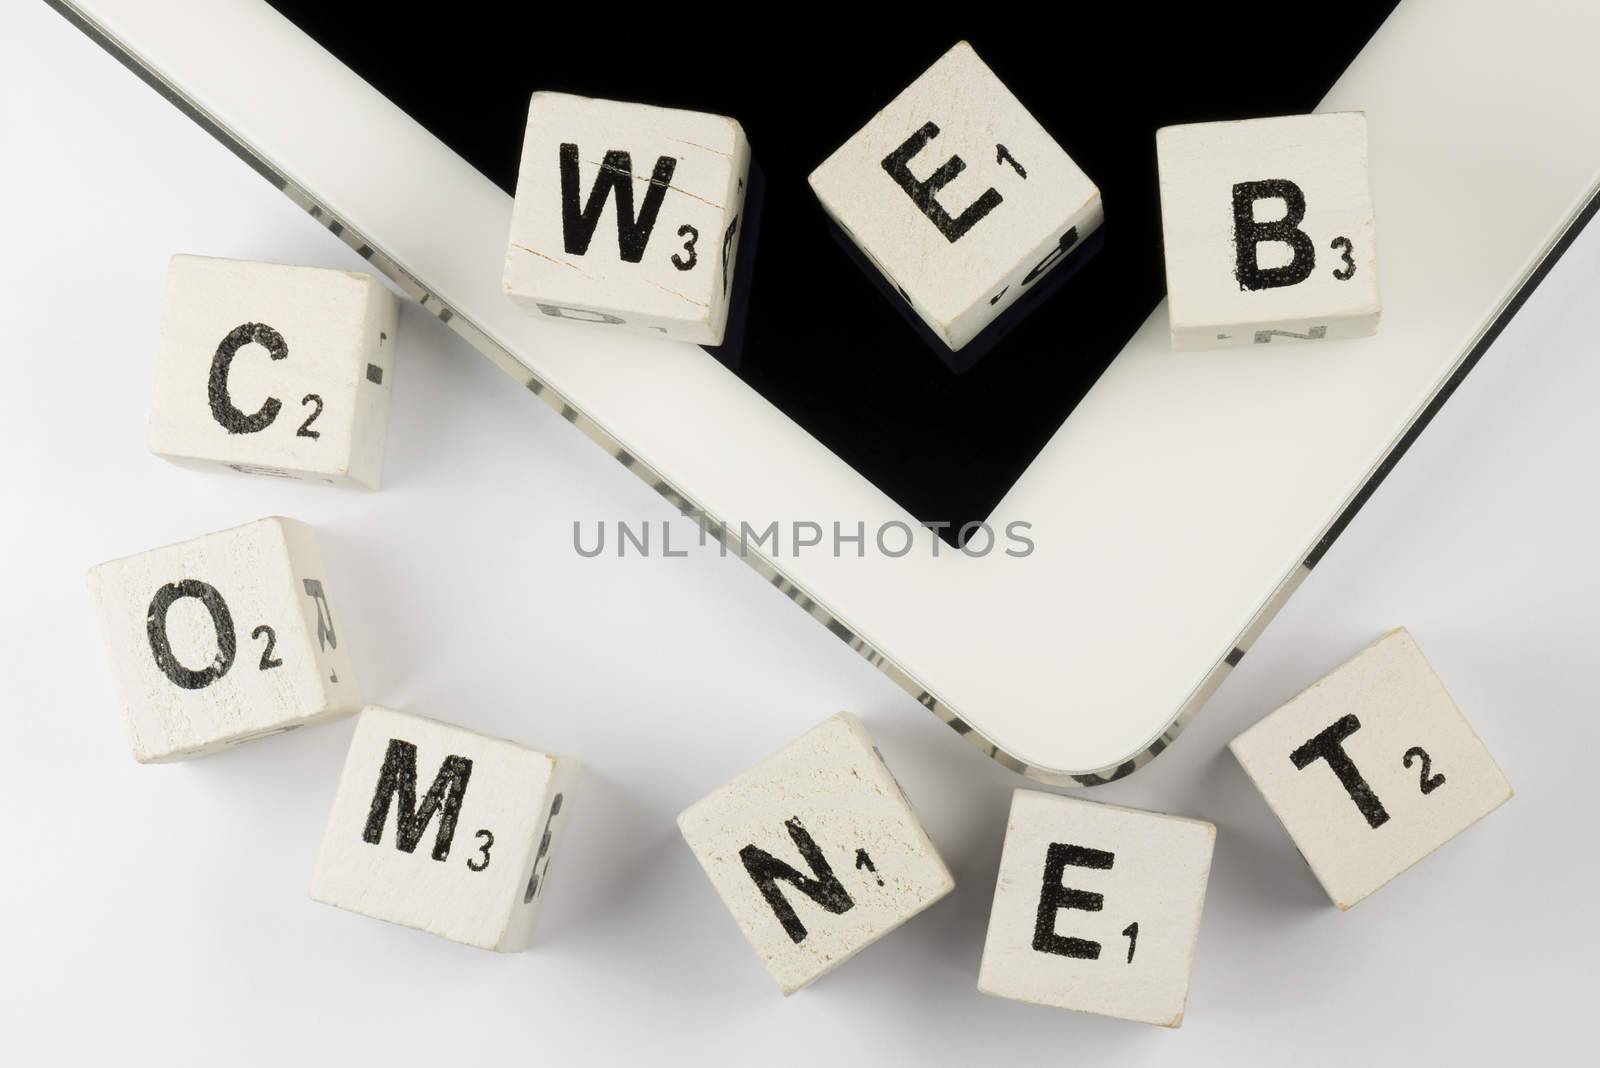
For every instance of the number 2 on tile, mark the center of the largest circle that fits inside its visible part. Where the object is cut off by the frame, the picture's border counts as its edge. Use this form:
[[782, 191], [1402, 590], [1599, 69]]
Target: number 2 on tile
[[1430, 782]]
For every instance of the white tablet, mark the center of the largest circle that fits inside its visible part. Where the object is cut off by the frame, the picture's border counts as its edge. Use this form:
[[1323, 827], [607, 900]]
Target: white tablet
[[1129, 517]]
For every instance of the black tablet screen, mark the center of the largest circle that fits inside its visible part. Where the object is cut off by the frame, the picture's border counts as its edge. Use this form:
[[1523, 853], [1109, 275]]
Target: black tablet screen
[[820, 339]]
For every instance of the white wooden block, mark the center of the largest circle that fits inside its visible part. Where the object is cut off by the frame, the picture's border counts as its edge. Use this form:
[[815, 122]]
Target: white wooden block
[[1269, 230], [443, 829], [1371, 769], [958, 195], [222, 639], [816, 852], [1097, 908], [275, 370], [628, 216]]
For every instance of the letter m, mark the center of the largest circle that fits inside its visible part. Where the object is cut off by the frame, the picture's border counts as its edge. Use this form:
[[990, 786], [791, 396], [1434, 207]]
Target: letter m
[[767, 870], [399, 776]]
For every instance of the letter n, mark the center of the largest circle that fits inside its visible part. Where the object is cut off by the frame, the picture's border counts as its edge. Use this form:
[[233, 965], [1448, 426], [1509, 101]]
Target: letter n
[[767, 871]]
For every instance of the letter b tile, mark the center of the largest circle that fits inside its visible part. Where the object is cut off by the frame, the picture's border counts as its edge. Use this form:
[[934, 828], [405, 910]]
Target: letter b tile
[[1268, 229], [816, 852], [1371, 769], [1097, 908], [443, 829]]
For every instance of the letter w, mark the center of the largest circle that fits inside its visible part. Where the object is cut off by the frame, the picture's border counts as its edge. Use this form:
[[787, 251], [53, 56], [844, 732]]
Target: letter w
[[824, 889], [616, 172], [399, 776]]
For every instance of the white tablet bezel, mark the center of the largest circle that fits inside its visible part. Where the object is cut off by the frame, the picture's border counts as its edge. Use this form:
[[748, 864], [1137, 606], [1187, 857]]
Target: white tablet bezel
[[1172, 513]]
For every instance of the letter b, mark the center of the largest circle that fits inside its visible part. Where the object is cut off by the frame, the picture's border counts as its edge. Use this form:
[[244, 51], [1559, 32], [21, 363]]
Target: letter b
[[1248, 235]]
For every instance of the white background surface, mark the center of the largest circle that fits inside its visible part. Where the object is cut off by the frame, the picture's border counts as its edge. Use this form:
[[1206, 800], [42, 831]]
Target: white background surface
[[160, 913]]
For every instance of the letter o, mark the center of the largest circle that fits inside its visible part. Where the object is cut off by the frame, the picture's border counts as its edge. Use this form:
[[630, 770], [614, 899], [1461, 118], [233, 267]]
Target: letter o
[[221, 620]]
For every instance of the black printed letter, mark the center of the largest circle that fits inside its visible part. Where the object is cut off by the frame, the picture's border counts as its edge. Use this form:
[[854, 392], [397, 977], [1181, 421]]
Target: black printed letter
[[1329, 746], [825, 889], [222, 408], [616, 172], [1249, 234], [1054, 897], [325, 635], [1063, 246], [924, 194], [399, 776], [155, 624]]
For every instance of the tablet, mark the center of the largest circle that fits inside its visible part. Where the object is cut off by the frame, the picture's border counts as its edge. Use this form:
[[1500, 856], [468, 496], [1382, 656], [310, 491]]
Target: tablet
[[820, 338], [1129, 517]]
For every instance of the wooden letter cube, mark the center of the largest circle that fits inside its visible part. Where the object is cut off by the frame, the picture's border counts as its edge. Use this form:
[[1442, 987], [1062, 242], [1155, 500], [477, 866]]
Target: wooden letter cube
[[628, 216], [1269, 230], [816, 852], [1371, 769], [443, 829], [1097, 908], [958, 195], [275, 370], [225, 638]]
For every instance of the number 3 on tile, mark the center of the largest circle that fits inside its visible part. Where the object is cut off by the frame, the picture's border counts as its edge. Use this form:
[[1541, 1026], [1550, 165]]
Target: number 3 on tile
[[481, 861]]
